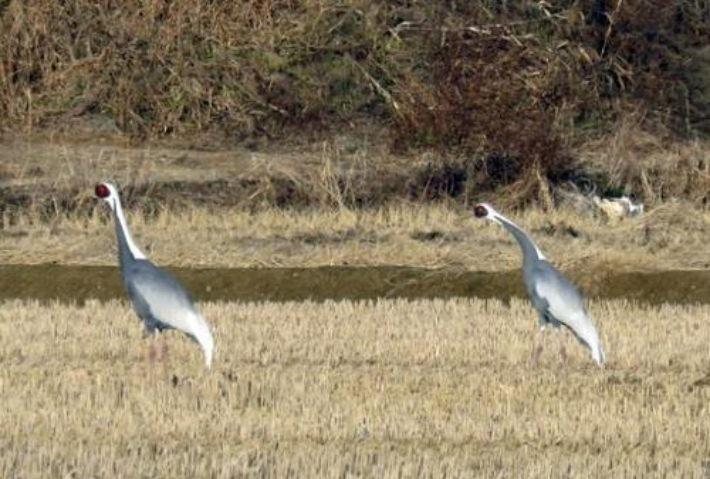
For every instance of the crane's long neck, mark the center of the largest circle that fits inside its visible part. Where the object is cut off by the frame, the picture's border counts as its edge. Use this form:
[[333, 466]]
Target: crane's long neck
[[531, 252], [127, 249]]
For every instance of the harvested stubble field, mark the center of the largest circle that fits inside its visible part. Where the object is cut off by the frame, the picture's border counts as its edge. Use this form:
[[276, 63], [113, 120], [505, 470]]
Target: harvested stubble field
[[353, 389], [672, 236], [312, 133]]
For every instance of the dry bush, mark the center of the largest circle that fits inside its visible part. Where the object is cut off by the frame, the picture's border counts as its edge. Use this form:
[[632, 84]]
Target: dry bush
[[652, 166], [483, 98], [644, 49], [162, 68], [503, 90], [511, 88]]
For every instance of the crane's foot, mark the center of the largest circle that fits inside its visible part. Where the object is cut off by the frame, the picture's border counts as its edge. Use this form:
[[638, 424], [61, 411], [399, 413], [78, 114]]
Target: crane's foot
[[561, 342], [535, 355], [152, 353], [164, 351], [537, 348]]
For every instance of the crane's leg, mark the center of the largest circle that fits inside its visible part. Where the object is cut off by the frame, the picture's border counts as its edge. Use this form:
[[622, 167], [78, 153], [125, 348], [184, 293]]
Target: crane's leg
[[160, 346], [152, 351], [538, 345], [561, 341], [150, 334], [163, 349]]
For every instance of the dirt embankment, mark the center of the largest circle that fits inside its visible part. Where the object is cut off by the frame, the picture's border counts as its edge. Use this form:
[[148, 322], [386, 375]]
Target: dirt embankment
[[53, 177], [50, 176]]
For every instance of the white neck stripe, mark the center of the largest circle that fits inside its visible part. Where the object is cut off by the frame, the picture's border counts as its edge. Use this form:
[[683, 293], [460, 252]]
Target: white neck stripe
[[118, 211], [499, 217]]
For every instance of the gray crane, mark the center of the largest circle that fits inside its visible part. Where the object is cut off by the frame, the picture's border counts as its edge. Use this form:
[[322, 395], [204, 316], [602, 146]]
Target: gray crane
[[557, 301], [158, 297]]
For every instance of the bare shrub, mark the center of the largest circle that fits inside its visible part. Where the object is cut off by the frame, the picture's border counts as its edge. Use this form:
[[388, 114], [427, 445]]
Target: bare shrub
[[519, 84]]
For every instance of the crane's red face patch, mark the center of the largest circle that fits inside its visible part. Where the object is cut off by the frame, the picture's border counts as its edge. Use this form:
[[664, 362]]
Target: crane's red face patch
[[102, 190], [480, 211]]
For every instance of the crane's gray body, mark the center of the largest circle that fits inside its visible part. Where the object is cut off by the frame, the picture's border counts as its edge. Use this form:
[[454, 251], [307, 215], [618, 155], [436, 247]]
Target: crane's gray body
[[557, 301], [536, 270], [541, 270], [145, 283], [154, 281]]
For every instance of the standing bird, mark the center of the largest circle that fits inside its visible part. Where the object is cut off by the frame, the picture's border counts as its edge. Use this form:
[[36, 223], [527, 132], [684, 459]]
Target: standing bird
[[557, 301], [158, 298]]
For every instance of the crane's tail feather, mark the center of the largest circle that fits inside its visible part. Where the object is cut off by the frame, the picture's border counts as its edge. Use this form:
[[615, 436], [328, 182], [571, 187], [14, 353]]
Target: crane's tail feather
[[598, 354], [587, 334], [202, 334], [591, 340]]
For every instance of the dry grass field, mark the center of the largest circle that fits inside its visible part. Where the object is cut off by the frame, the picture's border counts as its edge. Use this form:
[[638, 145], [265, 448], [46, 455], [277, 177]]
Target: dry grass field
[[181, 217], [326, 133], [671, 236], [383, 389]]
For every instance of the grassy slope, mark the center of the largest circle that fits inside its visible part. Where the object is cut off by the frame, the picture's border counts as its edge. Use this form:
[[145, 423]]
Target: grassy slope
[[509, 89], [387, 388]]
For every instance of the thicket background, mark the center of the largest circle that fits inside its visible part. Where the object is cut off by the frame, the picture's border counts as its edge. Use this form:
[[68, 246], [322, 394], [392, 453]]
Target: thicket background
[[503, 92]]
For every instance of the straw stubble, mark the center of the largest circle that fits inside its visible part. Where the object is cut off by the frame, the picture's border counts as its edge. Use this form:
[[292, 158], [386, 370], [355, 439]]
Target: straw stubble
[[387, 388]]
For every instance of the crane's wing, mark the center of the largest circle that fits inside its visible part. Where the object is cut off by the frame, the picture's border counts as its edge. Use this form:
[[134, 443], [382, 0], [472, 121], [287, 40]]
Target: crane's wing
[[157, 294], [563, 303], [162, 298]]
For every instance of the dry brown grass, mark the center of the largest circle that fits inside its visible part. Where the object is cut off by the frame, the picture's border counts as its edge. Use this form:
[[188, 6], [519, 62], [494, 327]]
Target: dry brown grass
[[52, 177], [368, 389], [672, 236], [180, 216], [504, 90], [651, 165]]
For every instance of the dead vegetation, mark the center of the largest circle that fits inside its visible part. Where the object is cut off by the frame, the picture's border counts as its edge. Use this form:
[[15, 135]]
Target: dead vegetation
[[386, 389], [45, 180], [503, 93], [329, 207], [654, 166], [672, 236]]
